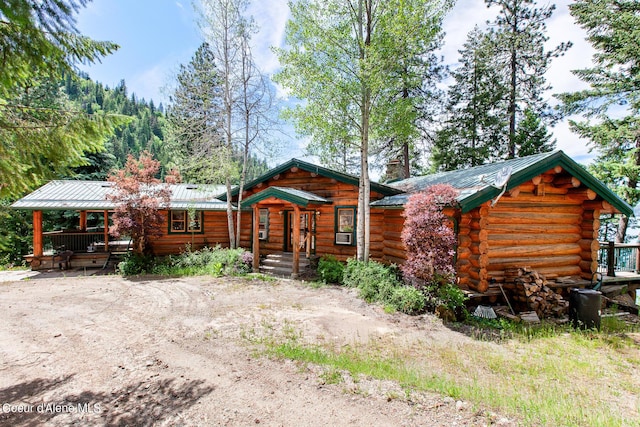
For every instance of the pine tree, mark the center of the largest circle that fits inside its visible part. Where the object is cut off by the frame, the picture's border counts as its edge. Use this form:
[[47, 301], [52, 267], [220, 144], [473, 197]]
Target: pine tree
[[195, 120], [611, 104], [474, 132], [532, 136], [519, 33], [42, 134]]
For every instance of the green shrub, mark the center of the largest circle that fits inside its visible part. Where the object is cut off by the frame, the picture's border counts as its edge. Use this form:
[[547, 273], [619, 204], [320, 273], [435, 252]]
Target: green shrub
[[408, 299], [375, 281], [330, 269], [446, 295], [215, 261], [134, 264]]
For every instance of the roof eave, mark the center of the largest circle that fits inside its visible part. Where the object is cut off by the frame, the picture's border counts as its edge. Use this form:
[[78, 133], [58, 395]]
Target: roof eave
[[282, 195], [557, 158], [309, 167]]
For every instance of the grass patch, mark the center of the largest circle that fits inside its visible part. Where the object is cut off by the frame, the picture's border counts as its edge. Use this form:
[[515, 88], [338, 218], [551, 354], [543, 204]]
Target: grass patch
[[546, 375]]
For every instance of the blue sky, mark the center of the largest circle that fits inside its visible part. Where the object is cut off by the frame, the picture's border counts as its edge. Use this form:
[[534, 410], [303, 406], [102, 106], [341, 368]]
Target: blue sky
[[155, 36]]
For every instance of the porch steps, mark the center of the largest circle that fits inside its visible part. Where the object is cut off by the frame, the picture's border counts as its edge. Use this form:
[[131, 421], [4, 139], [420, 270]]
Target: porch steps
[[281, 264]]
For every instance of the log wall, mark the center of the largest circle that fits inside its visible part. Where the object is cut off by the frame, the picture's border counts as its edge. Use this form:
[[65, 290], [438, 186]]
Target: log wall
[[548, 224], [215, 233]]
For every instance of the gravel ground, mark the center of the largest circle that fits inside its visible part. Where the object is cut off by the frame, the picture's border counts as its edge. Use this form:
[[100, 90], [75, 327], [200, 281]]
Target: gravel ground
[[155, 351]]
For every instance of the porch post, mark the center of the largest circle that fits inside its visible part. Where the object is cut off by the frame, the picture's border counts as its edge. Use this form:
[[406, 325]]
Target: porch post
[[311, 217], [37, 233], [296, 241], [106, 231], [83, 220], [611, 259], [256, 239]]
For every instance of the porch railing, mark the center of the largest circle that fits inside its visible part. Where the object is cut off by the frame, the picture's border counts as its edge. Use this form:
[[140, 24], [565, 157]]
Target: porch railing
[[74, 241], [618, 257]]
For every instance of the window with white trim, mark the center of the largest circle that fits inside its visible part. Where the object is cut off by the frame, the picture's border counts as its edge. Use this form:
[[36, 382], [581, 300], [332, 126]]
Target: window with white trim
[[345, 226], [263, 225]]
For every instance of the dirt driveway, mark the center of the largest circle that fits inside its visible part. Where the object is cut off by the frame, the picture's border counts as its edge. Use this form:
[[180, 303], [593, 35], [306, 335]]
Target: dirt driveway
[[110, 351]]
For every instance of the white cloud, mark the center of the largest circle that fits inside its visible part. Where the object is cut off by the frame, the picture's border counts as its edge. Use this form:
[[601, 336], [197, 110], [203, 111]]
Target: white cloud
[[560, 28], [270, 17]]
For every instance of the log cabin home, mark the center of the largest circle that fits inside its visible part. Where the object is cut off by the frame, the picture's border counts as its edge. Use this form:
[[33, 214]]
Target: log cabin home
[[542, 212]]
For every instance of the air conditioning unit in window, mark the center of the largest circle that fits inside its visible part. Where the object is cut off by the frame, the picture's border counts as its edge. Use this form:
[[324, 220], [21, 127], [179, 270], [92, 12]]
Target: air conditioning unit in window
[[262, 234], [343, 238]]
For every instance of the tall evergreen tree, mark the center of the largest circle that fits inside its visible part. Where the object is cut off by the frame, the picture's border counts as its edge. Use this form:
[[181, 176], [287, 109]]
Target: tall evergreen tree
[[41, 133], [474, 131], [195, 120], [499, 84], [611, 104], [519, 33], [532, 136]]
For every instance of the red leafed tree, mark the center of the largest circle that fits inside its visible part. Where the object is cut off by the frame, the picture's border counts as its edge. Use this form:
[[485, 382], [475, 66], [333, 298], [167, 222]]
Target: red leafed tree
[[429, 239], [139, 197]]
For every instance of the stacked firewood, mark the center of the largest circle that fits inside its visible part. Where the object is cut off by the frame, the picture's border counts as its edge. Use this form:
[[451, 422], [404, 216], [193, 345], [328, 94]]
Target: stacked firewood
[[532, 292]]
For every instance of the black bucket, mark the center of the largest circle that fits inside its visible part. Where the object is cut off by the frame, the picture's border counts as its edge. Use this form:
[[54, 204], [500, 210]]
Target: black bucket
[[584, 308]]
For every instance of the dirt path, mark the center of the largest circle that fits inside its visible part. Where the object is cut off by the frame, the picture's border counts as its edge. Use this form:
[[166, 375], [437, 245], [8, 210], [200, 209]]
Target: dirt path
[[109, 351]]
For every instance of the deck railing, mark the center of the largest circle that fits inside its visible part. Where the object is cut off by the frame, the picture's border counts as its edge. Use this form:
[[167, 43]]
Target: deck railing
[[74, 241], [618, 257]]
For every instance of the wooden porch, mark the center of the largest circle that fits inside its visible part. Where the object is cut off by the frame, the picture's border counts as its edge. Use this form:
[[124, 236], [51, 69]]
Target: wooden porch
[[78, 248]]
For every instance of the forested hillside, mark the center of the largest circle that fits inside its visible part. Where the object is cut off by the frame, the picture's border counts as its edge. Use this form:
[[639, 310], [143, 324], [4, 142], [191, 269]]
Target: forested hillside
[[143, 129]]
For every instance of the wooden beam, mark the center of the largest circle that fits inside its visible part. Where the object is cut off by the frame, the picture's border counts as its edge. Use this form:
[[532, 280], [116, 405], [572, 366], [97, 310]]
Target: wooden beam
[[106, 230], [83, 220], [296, 242], [37, 233], [256, 239], [566, 182]]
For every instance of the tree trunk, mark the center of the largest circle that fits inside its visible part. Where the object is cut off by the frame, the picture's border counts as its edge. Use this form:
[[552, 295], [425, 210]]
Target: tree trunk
[[364, 196], [512, 108], [621, 233], [511, 151], [232, 240], [243, 177]]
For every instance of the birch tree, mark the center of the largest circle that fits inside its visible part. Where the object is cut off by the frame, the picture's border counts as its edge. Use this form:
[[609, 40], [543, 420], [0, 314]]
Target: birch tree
[[246, 98], [341, 59], [255, 107]]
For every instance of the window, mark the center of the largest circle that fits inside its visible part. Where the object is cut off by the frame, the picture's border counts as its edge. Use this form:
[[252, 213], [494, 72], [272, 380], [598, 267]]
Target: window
[[345, 228], [181, 222], [263, 226]]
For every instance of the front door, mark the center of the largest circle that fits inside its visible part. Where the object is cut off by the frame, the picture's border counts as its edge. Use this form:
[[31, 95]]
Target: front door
[[307, 233]]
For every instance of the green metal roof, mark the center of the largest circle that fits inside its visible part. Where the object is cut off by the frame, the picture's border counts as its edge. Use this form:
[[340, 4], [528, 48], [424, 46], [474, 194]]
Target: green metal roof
[[475, 184], [292, 195], [92, 195], [309, 167]]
